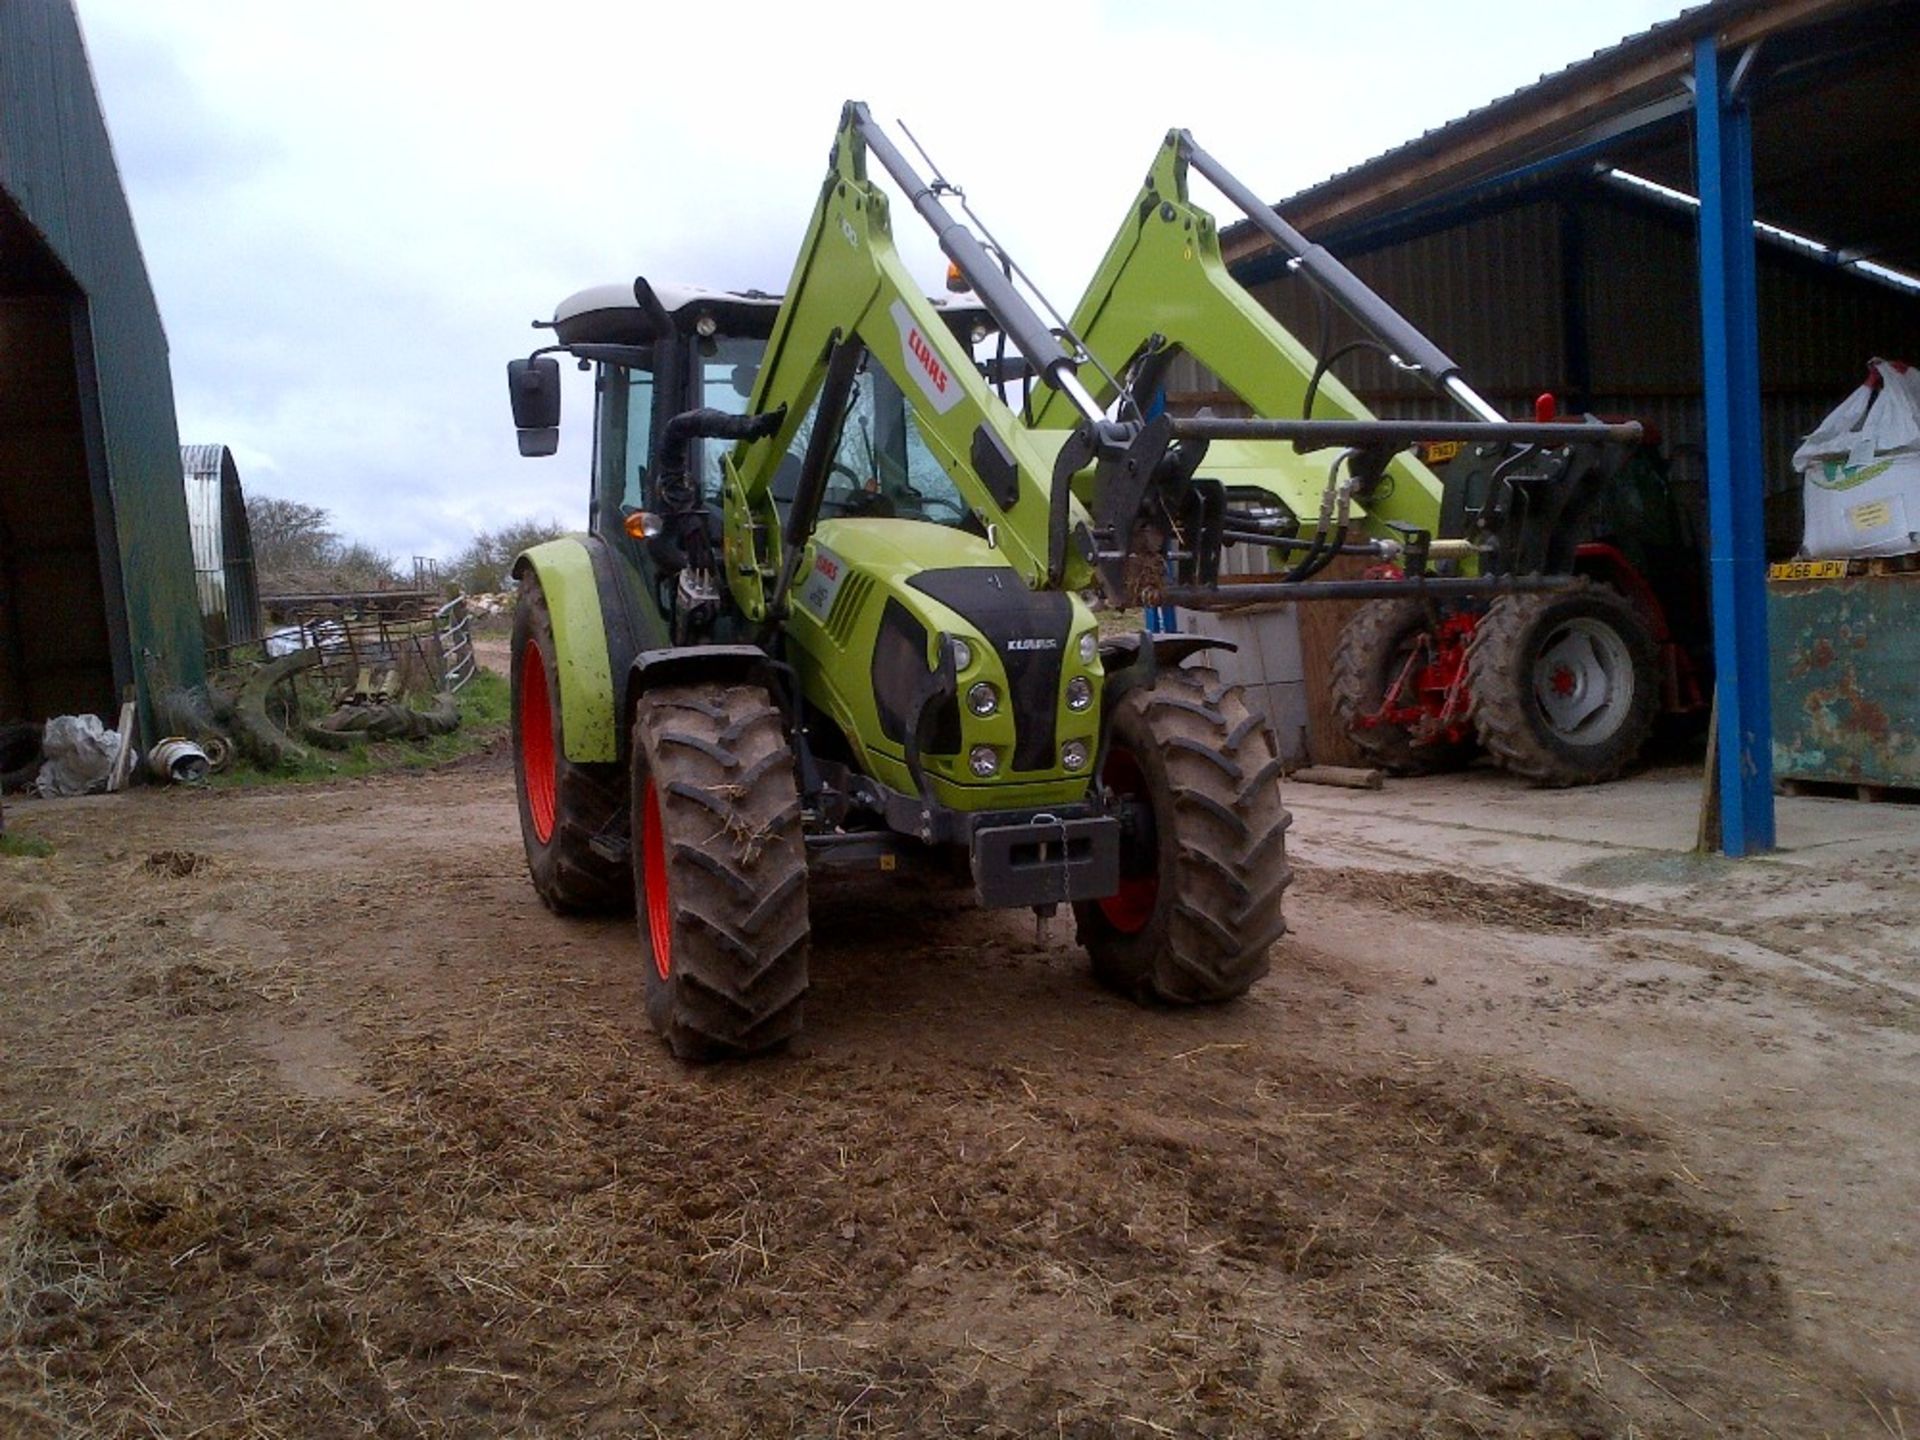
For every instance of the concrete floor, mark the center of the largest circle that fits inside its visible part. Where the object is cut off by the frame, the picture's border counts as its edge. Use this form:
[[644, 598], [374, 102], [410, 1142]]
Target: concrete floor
[[1763, 1015], [1634, 835]]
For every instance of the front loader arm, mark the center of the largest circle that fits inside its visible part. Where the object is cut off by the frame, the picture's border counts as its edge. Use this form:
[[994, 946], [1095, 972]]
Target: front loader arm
[[848, 289], [1163, 288], [1163, 285]]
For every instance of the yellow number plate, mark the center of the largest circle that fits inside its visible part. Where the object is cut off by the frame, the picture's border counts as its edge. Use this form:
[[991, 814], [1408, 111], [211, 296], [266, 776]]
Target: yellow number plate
[[1808, 570]]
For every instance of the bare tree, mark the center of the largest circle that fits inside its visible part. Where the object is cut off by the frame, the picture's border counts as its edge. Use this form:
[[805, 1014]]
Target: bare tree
[[296, 548], [484, 565]]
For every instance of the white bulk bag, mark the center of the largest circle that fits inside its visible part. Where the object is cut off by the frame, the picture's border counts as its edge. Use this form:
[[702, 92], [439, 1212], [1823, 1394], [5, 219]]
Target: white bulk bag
[[1861, 467]]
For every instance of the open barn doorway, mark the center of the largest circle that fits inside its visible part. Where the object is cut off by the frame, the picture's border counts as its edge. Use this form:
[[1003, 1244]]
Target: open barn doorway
[[58, 554]]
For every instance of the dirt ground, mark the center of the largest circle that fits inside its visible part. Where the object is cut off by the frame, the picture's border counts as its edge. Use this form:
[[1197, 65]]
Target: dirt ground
[[313, 1122]]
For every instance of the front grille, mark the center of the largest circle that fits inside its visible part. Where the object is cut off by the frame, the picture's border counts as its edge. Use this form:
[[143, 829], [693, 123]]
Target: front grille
[[1006, 614]]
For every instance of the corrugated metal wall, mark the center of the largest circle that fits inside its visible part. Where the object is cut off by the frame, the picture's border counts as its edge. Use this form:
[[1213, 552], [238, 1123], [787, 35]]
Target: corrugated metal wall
[[57, 167], [1596, 289], [223, 570], [1488, 290]]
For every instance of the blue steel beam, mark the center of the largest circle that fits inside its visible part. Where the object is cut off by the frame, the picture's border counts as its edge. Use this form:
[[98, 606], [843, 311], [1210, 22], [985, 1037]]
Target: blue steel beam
[[1729, 310]]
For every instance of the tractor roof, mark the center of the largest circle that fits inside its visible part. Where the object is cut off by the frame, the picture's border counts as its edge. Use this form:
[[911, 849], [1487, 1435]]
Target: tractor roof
[[616, 314]]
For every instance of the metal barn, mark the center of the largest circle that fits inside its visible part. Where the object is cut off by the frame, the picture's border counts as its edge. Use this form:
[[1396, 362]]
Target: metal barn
[[96, 567], [1595, 235]]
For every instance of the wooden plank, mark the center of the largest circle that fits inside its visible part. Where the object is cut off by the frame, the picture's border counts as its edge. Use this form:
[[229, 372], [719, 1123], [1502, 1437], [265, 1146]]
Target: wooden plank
[[1320, 625], [1344, 777]]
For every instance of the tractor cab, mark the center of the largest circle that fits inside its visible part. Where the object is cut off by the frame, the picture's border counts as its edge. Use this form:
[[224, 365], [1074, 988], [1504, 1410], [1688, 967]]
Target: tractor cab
[[662, 350]]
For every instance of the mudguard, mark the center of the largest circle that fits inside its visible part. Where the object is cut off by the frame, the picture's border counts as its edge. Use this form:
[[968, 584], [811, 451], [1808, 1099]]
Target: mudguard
[[598, 627], [704, 662]]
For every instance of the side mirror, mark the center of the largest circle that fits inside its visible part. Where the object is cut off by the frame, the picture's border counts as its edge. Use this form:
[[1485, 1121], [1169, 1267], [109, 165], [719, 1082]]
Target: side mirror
[[534, 388]]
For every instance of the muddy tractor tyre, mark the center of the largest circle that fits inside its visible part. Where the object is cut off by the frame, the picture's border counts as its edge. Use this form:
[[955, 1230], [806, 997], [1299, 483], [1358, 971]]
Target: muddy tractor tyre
[[564, 806], [720, 869], [1367, 659], [1202, 882], [1565, 684]]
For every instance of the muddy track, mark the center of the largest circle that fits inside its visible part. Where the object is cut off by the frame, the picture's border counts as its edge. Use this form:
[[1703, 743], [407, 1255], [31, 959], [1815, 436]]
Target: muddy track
[[328, 1127]]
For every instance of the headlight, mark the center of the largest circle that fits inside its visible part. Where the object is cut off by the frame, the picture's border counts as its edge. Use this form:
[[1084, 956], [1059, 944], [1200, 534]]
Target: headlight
[[1079, 693], [1073, 754], [984, 761], [1089, 647], [982, 698], [962, 653]]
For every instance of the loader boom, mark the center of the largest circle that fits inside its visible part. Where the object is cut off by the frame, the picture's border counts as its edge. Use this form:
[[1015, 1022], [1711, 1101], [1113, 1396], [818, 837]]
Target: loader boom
[[849, 289], [1163, 288]]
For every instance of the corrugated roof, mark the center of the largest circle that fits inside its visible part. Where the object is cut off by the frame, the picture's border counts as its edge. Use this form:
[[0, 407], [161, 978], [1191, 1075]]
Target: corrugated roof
[[1629, 104], [1689, 22]]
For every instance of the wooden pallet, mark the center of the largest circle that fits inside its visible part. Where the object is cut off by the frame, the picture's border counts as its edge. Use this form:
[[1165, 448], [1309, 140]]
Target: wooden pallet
[[1850, 790], [1885, 565]]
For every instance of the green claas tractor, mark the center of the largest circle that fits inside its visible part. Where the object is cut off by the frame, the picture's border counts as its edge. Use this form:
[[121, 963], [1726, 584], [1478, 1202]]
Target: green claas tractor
[[835, 608]]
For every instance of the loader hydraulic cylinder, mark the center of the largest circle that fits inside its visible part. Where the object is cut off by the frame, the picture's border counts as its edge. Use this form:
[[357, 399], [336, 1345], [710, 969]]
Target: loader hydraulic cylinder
[[1348, 290], [1022, 325]]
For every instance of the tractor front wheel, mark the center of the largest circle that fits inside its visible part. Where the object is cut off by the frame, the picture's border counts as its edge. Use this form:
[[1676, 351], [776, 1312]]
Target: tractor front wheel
[[565, 806], [720, 870], [1204, 859], [1565, 684]]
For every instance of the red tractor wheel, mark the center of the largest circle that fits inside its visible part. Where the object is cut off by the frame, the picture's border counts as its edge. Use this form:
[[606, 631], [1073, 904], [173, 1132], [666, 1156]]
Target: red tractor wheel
[[1565, 684], [1203, 867], [721, 866], [565, 806], [1400, 686]]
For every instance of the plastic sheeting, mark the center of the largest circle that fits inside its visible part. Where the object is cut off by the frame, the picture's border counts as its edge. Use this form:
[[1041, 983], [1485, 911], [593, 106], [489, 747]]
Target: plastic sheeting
[[80, 752]]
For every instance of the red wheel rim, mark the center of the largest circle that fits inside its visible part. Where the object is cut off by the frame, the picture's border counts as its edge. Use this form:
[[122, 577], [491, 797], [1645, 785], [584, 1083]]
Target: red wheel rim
[[1130, 908], [538, 765], [653, 856]]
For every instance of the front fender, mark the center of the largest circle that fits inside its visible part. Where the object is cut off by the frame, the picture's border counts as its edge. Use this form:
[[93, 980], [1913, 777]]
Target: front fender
[[597, 629]]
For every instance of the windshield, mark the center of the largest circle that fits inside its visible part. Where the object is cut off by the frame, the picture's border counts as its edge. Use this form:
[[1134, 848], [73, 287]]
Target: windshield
[[881, 465], [728, 369]]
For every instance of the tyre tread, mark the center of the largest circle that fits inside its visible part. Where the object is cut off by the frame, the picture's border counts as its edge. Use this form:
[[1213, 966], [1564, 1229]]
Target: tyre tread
[[1228, 849], [720, 760]]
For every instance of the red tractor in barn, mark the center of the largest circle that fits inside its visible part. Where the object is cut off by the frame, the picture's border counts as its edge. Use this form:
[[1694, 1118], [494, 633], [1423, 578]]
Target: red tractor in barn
[[1561, 687]]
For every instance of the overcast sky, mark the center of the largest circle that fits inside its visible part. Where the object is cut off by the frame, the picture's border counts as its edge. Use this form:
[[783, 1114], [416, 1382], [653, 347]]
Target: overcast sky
[[351, 211]]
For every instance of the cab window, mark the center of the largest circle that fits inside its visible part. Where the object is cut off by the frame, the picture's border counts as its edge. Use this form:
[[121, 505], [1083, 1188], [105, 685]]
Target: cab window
[[728, 370], [622, 440], [881, 464]]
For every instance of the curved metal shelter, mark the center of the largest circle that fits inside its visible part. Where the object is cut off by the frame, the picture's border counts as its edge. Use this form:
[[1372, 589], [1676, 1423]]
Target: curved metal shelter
[[223, 570]]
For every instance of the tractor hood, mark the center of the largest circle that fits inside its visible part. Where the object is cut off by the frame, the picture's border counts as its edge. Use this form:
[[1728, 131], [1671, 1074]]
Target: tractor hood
[[880, 593]]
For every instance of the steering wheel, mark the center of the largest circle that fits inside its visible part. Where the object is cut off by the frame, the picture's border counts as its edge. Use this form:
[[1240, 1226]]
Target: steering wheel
[[943, 511], [854, 499], [854, 486]]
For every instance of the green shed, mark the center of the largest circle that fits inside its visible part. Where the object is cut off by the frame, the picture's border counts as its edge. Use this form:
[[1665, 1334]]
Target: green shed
[[96, 563]]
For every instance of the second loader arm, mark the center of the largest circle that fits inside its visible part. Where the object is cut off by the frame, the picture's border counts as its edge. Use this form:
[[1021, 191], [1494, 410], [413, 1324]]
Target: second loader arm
[[1163, 289]]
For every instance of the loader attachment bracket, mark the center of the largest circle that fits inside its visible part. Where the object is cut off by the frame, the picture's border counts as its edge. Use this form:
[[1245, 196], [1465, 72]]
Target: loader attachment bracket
[[1148, 509]]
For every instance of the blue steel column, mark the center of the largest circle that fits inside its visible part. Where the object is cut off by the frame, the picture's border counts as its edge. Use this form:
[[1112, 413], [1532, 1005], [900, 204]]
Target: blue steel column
[[1729, 309]]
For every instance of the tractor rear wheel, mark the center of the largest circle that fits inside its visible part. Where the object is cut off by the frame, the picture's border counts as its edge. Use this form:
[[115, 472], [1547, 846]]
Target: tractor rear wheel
[[720, 869], [1204, 865], [1565, 684], [1373, 654], [565, 806]]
